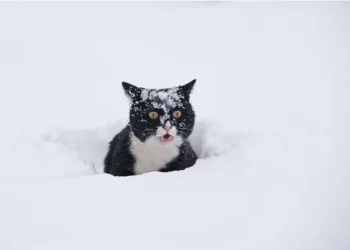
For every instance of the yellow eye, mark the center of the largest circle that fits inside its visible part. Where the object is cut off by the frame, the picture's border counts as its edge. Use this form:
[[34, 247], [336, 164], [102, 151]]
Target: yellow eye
[[153, 115], [177, 114]]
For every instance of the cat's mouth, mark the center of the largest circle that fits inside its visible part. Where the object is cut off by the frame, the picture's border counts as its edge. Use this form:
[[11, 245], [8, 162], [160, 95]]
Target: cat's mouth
[[166, 138]]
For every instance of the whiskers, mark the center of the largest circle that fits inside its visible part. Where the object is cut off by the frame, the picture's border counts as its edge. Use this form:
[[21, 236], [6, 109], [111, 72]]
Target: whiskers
[[145, 133], [184, 132]]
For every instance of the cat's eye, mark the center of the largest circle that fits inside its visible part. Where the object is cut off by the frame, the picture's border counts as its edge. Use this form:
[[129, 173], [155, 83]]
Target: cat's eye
[[177, 114], [153, 115]]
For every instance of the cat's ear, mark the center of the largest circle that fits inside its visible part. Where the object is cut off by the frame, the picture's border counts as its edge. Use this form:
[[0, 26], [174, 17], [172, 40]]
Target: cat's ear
[[187, 88], [131, 91]]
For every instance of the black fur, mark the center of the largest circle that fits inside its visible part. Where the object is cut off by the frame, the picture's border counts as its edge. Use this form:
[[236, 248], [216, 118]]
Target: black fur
[[119, 160], [187, 158]]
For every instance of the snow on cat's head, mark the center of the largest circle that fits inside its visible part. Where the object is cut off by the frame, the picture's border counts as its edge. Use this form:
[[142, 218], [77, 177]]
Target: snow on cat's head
[[163, 113]]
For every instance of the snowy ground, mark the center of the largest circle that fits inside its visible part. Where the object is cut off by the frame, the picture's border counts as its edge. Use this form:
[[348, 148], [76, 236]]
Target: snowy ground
[[272, 100]]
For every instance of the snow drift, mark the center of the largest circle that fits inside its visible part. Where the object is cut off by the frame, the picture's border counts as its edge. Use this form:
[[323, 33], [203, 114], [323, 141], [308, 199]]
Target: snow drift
[[274, 145]]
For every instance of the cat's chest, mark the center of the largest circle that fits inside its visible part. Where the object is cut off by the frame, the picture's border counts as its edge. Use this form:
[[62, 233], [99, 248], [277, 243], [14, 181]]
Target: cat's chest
[[153, 155]]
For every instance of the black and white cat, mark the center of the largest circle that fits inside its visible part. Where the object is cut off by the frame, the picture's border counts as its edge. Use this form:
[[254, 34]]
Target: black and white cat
[[156, 138]]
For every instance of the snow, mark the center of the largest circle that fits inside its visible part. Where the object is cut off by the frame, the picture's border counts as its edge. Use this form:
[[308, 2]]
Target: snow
[[162, 99], [144, 94], [163, 95], [272, 131]]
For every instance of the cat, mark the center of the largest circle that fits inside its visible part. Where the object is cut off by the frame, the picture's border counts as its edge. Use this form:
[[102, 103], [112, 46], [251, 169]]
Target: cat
[[156, 137]]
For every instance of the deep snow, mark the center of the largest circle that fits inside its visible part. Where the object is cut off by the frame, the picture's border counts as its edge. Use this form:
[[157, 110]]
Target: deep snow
[[272, 101]]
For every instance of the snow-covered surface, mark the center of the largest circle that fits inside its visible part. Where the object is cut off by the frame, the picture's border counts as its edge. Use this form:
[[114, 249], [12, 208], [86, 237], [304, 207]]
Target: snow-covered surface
[[272, 100]]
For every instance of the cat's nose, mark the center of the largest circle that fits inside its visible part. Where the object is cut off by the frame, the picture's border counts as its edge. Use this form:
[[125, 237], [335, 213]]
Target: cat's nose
[[167, 128]]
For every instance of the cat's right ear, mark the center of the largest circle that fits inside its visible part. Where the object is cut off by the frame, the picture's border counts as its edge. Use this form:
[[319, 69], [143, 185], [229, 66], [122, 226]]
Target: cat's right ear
[[131, 90]]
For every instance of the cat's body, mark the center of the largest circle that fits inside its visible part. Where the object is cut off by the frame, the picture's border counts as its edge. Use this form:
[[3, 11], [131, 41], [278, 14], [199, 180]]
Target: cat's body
[[156, 138]]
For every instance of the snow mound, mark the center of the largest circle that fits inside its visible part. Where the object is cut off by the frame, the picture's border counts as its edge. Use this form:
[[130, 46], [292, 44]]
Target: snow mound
[[90, 146], [274, 168]]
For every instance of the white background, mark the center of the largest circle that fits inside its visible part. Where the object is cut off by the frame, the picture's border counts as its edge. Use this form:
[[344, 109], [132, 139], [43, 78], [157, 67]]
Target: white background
[[272, 101]]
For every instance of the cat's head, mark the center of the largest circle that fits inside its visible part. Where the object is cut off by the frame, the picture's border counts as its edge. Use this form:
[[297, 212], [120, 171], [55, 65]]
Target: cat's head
[[166, 114]]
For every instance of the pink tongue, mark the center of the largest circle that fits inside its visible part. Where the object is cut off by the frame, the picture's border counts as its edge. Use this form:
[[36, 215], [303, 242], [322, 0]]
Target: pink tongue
[[166, 137]]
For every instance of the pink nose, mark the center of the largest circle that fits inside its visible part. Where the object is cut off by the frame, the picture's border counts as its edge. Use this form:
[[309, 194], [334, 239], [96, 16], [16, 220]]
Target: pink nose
[[167, 128]]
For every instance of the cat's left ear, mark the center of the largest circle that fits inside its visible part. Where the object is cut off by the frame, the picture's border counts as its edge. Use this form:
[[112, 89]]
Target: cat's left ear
[[187, 88], [131, 91]]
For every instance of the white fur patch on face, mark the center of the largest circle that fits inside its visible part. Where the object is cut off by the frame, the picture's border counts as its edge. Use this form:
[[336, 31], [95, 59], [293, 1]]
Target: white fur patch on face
[[153, 154]]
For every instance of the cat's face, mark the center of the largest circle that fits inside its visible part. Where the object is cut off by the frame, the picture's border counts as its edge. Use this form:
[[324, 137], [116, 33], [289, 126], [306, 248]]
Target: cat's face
[[165, 114]]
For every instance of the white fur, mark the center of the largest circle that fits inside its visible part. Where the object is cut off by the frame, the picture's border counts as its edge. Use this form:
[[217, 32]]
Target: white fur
[[153, 154]]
